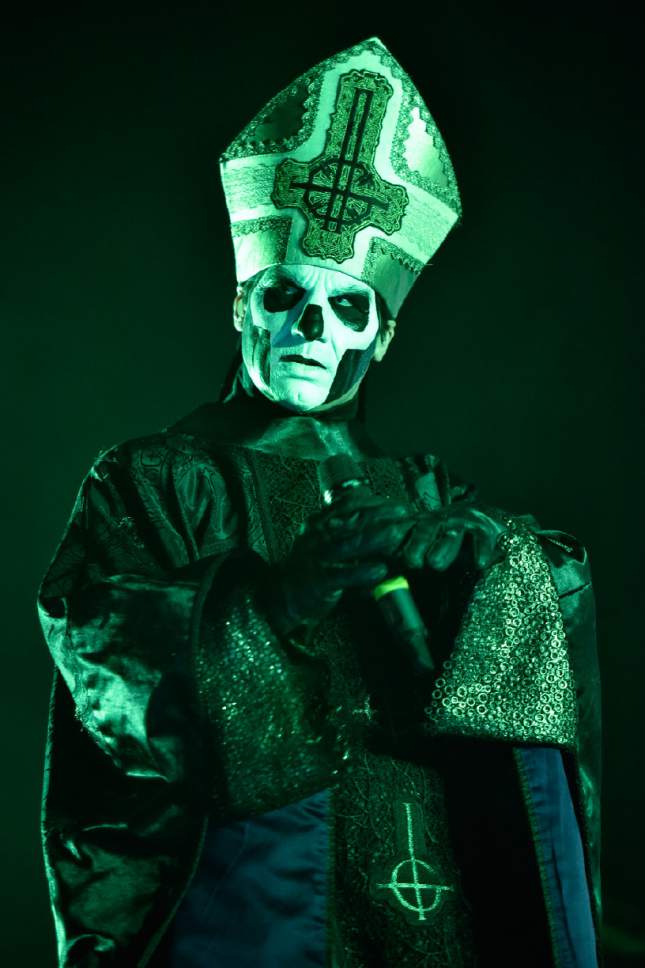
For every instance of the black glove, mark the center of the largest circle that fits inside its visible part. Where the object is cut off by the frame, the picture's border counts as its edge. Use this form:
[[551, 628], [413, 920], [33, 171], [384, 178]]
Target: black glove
[[341, 546], [433, 539]]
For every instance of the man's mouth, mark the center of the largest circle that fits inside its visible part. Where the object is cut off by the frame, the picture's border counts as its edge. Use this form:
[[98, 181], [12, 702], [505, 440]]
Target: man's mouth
[[296, 358]]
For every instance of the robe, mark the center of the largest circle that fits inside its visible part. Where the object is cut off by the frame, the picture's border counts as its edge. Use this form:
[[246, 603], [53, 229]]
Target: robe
[[213, 788]]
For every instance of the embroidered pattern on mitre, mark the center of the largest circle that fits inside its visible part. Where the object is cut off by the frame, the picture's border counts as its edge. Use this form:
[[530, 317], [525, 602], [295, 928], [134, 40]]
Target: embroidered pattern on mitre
[[344, 169]]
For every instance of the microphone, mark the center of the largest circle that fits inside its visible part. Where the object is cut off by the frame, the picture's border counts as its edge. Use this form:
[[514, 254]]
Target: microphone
[[337, 475]]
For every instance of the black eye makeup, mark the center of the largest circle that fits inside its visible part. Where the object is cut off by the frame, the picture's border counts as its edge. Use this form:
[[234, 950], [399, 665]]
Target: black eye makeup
[[281, 294], [353, 308]]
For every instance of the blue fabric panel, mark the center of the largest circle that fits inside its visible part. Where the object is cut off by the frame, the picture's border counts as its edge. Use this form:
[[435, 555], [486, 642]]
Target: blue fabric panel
[[258, 897], [562, 854]]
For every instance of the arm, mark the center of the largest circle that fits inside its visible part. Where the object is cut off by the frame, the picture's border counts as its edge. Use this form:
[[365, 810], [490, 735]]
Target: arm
[[153, 615], [524, 668], [516, 645]]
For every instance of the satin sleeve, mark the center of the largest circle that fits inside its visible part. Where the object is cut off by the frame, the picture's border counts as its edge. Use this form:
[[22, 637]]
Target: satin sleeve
[[152, 612]]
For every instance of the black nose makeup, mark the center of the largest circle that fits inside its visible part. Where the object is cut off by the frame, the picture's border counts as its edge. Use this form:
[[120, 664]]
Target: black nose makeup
[[311, 323]]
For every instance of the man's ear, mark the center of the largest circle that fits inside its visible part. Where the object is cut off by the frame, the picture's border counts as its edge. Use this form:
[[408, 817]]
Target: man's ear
[[239, 309], [384, 339]]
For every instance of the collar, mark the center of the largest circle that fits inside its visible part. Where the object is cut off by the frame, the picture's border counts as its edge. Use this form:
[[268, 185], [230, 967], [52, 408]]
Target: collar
[[245, 416]]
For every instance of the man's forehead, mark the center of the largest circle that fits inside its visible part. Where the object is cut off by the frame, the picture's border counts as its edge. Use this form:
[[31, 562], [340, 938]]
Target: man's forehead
[[308, 276]]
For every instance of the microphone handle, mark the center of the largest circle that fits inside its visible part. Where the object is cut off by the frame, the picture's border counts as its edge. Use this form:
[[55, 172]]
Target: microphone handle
[[401, 615], [392, 595]]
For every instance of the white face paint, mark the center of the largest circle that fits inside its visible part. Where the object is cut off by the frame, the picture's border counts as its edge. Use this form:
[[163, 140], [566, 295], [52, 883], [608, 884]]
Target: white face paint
[[319, 314]]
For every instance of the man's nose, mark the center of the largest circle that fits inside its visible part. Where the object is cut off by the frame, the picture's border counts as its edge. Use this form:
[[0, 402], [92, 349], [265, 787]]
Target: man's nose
[[311, 324]]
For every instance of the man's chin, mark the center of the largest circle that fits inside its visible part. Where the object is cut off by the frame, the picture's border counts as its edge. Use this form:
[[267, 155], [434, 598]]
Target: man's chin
[[301, 402], [299, 406]]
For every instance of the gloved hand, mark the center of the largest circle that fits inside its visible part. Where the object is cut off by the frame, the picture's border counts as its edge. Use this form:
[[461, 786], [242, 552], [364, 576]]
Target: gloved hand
[[422, 539], [341, 546], [433, 539]]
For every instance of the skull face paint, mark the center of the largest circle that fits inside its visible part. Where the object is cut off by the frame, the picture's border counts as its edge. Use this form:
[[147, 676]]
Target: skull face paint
[[309, 335]]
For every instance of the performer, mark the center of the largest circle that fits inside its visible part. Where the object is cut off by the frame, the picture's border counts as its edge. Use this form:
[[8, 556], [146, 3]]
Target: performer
[[245, 766]]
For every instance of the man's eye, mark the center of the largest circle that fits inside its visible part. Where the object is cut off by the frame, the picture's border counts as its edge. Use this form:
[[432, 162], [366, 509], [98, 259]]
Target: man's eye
[[353, 309], [281, 297]]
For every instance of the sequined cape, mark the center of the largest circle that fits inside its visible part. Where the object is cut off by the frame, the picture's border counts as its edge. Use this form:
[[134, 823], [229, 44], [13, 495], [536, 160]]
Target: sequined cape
[[174, 701]]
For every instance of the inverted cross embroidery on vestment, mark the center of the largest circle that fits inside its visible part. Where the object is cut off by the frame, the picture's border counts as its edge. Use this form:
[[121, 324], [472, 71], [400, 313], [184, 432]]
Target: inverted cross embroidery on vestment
[[410, 877]]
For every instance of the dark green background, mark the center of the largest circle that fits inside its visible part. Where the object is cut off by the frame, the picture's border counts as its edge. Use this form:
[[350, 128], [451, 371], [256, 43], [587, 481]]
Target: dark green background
[[516, 357]]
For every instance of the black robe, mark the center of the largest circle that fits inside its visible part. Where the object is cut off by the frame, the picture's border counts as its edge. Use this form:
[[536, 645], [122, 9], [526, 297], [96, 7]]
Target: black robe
[[176, 708]]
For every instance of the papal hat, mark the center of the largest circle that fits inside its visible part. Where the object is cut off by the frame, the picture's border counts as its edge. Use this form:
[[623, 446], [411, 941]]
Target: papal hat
[[344, 169]]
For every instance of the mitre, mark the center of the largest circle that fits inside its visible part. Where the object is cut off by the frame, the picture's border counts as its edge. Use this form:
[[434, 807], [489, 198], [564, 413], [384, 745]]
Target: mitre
[[343, 169]]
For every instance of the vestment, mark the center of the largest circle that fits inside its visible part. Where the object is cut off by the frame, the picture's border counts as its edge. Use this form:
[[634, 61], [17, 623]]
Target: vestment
[[152, 614]]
